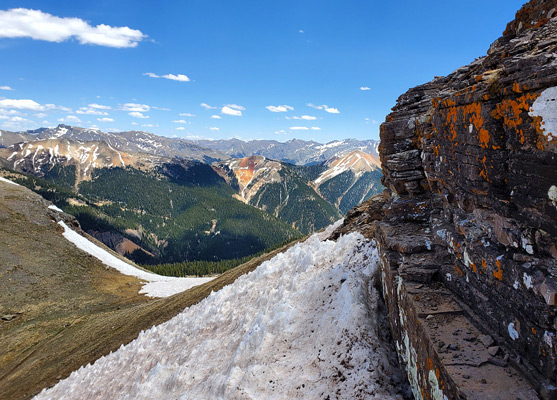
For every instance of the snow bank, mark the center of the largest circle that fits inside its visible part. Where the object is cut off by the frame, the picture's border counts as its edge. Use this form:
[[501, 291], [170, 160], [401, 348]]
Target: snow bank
[[156, 286], [301, 326], [8, 181], [53, 207]]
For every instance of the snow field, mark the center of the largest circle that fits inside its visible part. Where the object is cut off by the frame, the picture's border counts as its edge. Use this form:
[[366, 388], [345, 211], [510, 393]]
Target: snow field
[[301, 326], [156, 286]]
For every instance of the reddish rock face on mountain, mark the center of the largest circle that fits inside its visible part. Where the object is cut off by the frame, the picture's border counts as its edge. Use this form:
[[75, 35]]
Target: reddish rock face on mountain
[[468, 229]]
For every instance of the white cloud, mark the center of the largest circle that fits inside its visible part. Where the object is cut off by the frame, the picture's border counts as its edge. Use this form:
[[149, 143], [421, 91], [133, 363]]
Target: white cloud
[[374, 121], [149, 125], [99, 106], [136, 107], [160, 108], [90, 111], [35, 24], [227, 110], [304, 117], [214, 128], [4, 117], [172, 77], [330, 110], [137, 114], [69, 118], [301, 31], [9, 112], [187, 115], [40, 115], [299, 128], [280, 132], [135, 123], [105, 119], [314, 106], [283, 108], [21, 104], [235, 107], [181, 121], [207, 106], [180, 128], [5, 88], [315, 128], [364, 88], [216, 117]]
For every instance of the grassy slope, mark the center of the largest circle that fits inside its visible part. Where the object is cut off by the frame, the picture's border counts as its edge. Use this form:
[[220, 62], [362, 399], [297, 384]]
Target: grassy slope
[[70, 309]]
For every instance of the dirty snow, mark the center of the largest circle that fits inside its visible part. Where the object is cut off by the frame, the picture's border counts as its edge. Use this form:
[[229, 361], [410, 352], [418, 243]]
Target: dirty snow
[[156, 286], [303, 325]]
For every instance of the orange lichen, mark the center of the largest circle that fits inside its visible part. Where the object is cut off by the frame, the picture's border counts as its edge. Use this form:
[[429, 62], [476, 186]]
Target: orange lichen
[[478, 78], [437, 373], [483, 172], [428, 363], [474, 268], [511, 112], [458, 271], [534, 331], [516, 88], [484, 264], [499, 273]]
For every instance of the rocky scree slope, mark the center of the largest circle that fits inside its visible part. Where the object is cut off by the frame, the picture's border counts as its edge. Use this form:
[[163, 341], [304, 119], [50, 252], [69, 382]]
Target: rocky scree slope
[[467, 228]]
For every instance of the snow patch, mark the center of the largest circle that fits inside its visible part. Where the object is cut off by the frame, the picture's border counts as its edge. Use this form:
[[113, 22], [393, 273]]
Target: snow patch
[[156, 286], [301, 326], [8, 181], [53, 207]]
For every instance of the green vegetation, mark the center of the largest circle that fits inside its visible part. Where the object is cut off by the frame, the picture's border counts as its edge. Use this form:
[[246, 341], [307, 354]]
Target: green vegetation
[[305, 209]]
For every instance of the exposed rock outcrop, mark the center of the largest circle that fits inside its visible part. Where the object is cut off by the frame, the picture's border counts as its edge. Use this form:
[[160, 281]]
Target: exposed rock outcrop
[[468, 230]]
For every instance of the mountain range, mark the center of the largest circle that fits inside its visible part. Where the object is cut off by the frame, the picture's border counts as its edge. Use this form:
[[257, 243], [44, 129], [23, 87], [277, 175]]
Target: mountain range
[[165, 200]]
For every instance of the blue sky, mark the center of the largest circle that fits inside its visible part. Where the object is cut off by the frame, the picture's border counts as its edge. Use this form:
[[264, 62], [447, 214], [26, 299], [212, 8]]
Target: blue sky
[[309, 59]]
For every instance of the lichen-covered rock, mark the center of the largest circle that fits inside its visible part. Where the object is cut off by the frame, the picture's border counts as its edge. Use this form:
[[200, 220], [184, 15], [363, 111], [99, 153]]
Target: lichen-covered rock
[[471, 160]]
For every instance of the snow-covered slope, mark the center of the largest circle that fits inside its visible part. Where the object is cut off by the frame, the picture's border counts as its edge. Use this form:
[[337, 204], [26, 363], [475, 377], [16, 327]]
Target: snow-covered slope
[[156, 286], [303, 325]]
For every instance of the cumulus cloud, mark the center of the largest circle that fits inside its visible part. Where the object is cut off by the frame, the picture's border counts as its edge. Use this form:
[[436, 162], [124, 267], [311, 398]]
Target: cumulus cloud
[[283, 108], [214, 128], [207, 106], [172, 77], [303, 117], [5, 88], [216, 117], [137, 114], [232, 109], [330, 110], [100, 106], [38, 25], [69, 118], [180, 128], [105, 119], [136, 107], [21, 104], [280, 132], [187, 115], [364, 88], [299, 128], [181, 121], [90, 111]]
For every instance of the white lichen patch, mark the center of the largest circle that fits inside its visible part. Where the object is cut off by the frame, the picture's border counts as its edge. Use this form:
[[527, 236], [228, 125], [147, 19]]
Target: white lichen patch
[[512, 331], [552, 194], [527, 279], [545, 107]]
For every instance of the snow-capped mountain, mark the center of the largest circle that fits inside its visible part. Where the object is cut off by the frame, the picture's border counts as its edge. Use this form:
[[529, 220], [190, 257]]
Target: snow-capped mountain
[[41, 156], [130, 142], [280, 189], [350, 179], [295, 151]]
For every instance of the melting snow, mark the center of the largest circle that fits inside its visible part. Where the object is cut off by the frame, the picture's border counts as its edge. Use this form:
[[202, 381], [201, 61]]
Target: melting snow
[[156, 286], [53, 207], [301, 326]]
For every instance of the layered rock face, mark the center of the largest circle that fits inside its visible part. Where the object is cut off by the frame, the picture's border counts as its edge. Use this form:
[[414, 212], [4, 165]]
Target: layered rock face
[[468, 229]]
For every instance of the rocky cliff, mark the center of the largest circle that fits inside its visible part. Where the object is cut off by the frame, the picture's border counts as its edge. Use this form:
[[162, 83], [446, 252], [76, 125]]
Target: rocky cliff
[[467, 228]]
